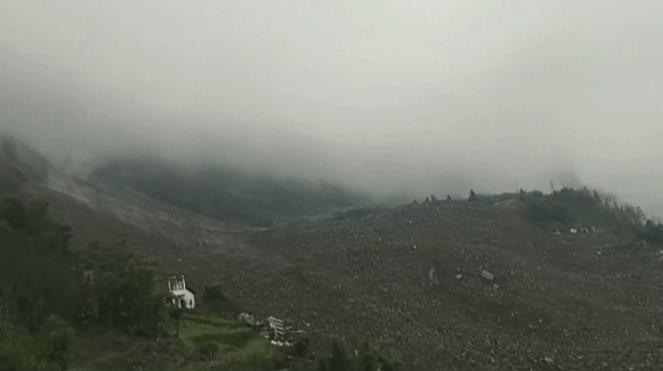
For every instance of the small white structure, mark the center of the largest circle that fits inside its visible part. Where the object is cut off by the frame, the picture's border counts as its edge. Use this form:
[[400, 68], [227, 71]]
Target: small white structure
[[277, 332], [277, 326], [182, 297]]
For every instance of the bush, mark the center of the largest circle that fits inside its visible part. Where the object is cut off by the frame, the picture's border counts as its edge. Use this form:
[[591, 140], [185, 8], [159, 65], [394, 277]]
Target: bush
[[48, 349], [14, 213], [473, 196], [357, 356], [215, 299], [258, 355], [57, 335], [651, 232], [208, 349], [572, 208]]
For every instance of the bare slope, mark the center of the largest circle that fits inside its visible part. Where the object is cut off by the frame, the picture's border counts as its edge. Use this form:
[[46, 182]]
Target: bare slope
[[100, 218], [556, 301]]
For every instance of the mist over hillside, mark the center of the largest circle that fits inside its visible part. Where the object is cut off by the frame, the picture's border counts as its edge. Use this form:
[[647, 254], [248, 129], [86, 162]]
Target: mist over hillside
[[559, 280], [386, 98], [375, 185], [223, 193]]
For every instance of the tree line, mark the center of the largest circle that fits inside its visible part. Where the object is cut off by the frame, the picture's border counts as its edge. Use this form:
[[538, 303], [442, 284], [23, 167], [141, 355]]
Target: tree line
[[47, 292]]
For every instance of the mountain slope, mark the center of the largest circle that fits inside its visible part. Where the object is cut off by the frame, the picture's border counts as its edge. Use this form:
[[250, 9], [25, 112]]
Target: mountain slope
[[413, 277], [452, 285], [222, 193]]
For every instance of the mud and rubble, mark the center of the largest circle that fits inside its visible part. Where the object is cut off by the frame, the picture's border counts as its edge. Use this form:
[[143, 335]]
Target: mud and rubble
[[445, 285]]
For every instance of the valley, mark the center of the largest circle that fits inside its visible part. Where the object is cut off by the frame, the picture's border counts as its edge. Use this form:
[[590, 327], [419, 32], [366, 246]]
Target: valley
[[445, 285]]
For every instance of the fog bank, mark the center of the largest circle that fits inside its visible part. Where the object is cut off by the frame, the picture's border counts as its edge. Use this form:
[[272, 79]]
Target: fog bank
[[381, 96]]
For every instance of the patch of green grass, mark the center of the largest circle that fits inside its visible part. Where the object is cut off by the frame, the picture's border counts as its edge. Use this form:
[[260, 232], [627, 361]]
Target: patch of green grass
[[238, 348], [236, 338], [256, 355], [213, 320], [195, 330]]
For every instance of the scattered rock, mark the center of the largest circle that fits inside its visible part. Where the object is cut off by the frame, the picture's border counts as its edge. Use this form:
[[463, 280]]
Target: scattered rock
[[248, 319]]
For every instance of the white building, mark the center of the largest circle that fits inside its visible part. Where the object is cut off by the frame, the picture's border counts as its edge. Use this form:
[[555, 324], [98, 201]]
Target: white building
[[183, 297]]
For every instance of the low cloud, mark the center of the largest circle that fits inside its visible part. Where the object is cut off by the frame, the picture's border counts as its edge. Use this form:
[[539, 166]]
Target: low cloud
[[384, 96]]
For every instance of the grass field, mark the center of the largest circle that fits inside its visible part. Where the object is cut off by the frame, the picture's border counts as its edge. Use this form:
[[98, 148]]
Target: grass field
[[206, 342]]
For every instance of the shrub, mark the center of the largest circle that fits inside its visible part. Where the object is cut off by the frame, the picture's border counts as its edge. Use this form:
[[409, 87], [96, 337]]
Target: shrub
[[357, 355], [208, 349]]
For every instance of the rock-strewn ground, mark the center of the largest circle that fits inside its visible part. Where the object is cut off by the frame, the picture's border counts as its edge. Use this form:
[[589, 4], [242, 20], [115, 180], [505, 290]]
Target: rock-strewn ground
[[449, 285], [418, 278]]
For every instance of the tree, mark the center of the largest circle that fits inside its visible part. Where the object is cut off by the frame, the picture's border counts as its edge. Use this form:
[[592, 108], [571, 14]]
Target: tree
[[18, 350], [143, 305], [338, 360], [176, 315], [127, 293], [14, 213], [357, 355], [48, 349], [209, 349], [57, 335], [473, 195]]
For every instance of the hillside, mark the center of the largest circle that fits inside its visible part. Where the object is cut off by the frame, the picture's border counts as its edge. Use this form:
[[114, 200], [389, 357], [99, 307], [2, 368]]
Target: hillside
[[495, 283], [412, 277], [223, 193]]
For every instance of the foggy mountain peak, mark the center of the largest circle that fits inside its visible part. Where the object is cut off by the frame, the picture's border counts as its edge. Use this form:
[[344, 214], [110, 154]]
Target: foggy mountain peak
[[382, 97]]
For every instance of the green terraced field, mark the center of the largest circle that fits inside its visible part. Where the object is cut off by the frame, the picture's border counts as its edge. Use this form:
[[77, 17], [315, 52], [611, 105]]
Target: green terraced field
[[205, 342]]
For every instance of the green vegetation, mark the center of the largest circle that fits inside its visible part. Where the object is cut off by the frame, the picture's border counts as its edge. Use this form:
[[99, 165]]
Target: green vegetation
[[37, 288], [229, 345], [473, 196], [223, 193], [102, 310], [651, 232], [573, 208], [46, 349], [357, 355], [124, 292], [207, 341], [46, 291]]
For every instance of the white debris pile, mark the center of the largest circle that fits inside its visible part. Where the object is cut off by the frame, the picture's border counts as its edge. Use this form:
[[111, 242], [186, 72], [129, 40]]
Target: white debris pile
[[273, 329]]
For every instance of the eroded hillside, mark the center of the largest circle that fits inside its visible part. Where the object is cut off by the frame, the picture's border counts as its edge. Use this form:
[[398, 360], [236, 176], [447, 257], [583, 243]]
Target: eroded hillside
[[463, 287], [448, 285]]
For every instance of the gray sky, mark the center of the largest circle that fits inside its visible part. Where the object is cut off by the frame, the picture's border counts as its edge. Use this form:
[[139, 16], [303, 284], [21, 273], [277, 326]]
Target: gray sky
[[415, 96]]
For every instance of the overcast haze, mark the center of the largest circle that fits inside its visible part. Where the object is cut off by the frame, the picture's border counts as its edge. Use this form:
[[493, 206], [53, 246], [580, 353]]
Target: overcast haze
[[388, 96]]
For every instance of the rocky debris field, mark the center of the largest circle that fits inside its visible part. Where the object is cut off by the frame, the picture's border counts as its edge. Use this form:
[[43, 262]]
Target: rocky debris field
[[445, 285], [457, 286], [448, 285]]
